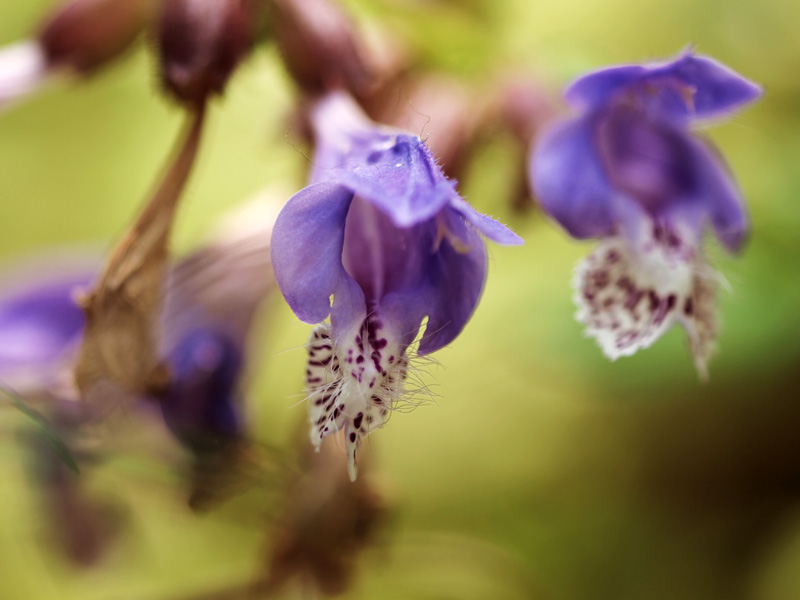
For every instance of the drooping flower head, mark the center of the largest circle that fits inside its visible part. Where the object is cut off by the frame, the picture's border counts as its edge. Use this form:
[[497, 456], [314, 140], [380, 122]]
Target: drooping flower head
[[382, 231], [629, 170]]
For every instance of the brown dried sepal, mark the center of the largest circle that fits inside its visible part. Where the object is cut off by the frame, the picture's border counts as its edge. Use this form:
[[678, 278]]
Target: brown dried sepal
[[120, 348]]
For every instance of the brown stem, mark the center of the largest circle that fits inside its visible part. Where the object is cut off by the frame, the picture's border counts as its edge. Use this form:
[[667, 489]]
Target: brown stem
[[121, 341]]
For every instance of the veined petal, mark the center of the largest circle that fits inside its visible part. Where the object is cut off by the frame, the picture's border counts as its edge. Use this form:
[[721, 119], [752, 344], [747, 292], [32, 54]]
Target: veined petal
[[569, 181], [307, 246]]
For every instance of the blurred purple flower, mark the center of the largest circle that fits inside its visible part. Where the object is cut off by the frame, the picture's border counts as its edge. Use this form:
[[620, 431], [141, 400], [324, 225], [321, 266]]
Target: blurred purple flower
[[40, 321], [200, 404], [38, 324], [383, 231], [628, 170], [40, 328], [212, 296]]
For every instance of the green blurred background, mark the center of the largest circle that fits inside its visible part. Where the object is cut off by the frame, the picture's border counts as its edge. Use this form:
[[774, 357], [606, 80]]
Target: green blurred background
[[543, 470]]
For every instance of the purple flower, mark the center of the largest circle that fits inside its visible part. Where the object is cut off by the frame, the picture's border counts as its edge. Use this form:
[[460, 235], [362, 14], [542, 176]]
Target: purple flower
[[382, 231], [41, 326], [212, 296], [628, 170]]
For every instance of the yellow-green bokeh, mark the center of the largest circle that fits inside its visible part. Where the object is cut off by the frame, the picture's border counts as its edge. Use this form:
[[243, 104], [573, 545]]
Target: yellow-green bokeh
[[542, 470]]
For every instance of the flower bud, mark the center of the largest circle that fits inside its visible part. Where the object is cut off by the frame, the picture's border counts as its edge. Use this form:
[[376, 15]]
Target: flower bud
[[320, 46], [86, 34], [200, 44]]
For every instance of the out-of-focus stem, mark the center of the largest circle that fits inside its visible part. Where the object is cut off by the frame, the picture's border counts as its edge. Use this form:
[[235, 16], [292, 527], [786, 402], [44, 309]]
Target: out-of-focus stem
[[120, 345]]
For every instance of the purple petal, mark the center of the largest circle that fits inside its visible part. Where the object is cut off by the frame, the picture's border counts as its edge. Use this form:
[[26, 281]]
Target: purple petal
[[200, 405], [717, 90], [398, 175], [569, 181], [457, 280], [688, 86], [722, 198], [435, 269], [380, 256], [670, 174], [647, 160], [594, 90], [307, 246], [447, 294], [389, 168], [494, 230], [38, 324]]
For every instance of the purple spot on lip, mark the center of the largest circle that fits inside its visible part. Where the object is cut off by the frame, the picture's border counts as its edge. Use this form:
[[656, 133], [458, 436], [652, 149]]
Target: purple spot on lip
[[633, 299], [654, 299]]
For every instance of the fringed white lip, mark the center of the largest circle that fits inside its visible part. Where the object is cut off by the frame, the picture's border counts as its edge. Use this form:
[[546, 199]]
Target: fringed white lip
[[351, 386], [629, 297], [23, 68]]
